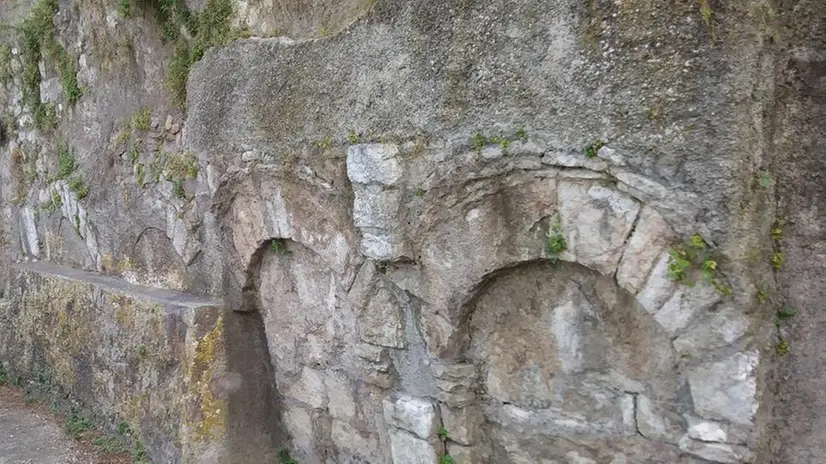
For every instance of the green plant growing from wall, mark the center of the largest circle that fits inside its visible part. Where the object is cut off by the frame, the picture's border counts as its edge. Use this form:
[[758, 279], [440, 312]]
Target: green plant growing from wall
[[5, 64], [478, 141], [80, 188], [778, 260], [521, 134], [279, 245], [212, 27], [76, 425], [285, 457], [142, 120], [556, 243], [53, 204], [38, 42], [782, 347], [325, 143], [109, 444], [782, 316], [706, 12], [691, 257], [592, 149], [125, 8], [765, 180], [66, 164]]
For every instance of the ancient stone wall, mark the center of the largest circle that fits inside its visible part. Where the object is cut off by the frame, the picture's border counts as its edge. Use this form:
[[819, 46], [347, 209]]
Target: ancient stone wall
[[499, 231]]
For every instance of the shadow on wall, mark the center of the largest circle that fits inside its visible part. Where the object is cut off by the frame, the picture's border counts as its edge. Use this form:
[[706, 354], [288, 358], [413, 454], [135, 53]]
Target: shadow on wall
[[254, 430]]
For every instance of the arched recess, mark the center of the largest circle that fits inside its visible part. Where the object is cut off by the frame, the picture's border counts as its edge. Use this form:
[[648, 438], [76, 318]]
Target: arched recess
[[563, 357], [310, 331], [289, 253]]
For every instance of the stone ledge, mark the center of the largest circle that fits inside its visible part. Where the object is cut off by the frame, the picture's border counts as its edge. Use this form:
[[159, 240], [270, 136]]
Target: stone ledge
[[152, 358], [113, 284]]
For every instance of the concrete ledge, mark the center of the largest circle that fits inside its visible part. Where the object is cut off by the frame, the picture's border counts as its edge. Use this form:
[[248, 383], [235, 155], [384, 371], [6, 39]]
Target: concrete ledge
[[153, 358]]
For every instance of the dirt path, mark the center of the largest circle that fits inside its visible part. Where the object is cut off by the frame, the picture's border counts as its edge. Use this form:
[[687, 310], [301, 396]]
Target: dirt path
[[31, 434]]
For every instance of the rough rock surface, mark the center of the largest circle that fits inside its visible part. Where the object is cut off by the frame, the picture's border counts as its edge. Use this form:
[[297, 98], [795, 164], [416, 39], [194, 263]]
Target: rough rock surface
[[506, 231]]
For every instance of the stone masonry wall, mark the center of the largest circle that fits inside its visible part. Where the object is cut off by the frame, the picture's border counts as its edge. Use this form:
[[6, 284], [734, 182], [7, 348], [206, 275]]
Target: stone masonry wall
[[500, 231]]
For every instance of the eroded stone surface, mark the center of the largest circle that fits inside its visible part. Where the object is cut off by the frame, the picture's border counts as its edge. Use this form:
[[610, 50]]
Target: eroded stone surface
[[415, 415], [596, 222], [726, 389]]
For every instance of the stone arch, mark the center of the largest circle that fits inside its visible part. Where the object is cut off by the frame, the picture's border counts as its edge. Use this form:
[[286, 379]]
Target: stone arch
[[563, 356], [310, 331]]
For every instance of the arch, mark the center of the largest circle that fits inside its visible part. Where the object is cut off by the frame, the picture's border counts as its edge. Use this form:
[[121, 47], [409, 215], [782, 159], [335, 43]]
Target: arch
[[562, 355]]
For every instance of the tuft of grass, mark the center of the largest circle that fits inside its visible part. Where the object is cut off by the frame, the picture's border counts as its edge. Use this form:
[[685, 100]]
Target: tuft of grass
[[66, 164], [124, 428], [181, 166], [142, 120], [140, 174], [695, 256], [80, 188], [353, 137], [4, 377], [178, 188], [443, 434], [783, 315], [765, 180], [707, 12], [67, 66], [521, 134], [109, 444], [279, 245], [38, 42], [177, 73], [782, 347], [446, 459], [778, 259], [5, 64], [53, 204], [76, 426], [125, 8], [592, 149], [325, 143], [762, 297], [556, 241], [501, 141], [139, 454], [135, 151], [478, 141], [285, 457], [210, 28]]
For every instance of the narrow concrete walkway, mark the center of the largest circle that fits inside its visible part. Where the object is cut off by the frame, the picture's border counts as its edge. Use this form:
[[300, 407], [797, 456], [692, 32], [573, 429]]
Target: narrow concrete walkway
[[29, 434]]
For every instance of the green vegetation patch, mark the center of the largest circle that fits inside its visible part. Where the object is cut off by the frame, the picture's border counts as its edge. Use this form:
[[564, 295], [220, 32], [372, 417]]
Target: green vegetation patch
[[39, 42], [694, 257], [210, 28]]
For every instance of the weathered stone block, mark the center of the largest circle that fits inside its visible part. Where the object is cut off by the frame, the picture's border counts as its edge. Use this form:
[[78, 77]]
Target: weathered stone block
[[649, 423], [307, 388], [407, 449], [596, 222], [649, 239], [382, 320], [715, 452], [723, 328], [686, 304], [464, 425], [374, 164], [726, 389], [415, 415], [340, 393]]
